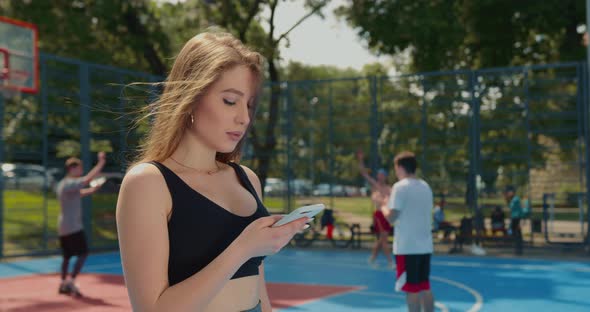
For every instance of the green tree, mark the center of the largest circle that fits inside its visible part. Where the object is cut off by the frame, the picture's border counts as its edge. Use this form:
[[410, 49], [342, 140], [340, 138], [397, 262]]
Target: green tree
[[456, 34], [121, 33], [244, 19], [452, 34]]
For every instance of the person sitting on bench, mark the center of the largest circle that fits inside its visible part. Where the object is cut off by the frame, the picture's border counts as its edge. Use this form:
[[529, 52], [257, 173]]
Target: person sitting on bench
[[498, 218], [439, 223]]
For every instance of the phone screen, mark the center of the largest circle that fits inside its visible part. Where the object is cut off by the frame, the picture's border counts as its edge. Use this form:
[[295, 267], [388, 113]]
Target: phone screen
[[305, 211]]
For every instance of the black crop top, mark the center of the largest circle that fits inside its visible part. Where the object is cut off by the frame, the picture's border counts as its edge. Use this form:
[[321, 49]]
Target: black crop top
[[199, 230]]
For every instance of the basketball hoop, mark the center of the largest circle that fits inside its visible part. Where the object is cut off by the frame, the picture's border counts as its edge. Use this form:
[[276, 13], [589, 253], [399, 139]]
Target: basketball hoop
[[10, 78], [19, 56]]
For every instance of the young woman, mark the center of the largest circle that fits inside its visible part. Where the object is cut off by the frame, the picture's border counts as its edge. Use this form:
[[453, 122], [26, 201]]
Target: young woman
[[192, 229], [380, 192]]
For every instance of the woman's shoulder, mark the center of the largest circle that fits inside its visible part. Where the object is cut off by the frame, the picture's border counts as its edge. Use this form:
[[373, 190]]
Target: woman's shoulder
[[143, 175], [251, 175], [144, 189]]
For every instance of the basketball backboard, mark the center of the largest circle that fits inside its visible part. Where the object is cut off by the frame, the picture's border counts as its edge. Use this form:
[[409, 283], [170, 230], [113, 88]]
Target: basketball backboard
[[19, 56]]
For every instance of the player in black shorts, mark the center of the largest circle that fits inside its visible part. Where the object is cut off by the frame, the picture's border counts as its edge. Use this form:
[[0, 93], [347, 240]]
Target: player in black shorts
[[72, 240]]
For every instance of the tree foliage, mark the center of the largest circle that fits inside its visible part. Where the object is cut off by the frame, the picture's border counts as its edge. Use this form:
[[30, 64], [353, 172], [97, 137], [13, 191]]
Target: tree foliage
[[121, 33], [324, 114], [451, 34]]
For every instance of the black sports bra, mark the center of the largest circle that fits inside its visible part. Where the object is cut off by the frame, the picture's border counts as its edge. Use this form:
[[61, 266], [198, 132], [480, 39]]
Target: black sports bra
[[199, 229]]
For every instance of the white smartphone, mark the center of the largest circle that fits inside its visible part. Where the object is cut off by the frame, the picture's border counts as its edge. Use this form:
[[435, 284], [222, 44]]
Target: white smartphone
[[98, 181], [304, 211]]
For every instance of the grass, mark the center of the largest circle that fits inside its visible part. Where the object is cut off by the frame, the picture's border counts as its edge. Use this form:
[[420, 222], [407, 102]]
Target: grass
[[27, 230], [360, 206], [456, 208]]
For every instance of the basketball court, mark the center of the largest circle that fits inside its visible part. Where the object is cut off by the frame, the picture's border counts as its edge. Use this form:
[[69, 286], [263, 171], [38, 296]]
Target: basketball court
[[297, 279], [328, 281]]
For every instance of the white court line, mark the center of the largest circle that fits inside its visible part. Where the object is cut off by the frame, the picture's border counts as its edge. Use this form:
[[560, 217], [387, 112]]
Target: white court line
[[524, 267], [334, 295], [477, 296], [474, 308], [441, 306], [506, 266], [437, 304]]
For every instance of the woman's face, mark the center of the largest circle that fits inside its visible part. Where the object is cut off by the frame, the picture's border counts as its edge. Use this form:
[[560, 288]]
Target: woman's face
[[222, 116]]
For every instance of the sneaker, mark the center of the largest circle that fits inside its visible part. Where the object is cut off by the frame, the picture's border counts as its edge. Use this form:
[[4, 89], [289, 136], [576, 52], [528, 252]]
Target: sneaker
[[64, 288], [372, 263], [478, 251], [75, 291]]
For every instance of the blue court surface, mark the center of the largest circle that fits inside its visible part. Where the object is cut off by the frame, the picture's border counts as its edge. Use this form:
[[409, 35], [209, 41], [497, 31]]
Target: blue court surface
[[459, 283]]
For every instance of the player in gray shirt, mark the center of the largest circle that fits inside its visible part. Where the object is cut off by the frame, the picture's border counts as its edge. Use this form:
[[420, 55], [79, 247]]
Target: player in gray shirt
[[72, 240]]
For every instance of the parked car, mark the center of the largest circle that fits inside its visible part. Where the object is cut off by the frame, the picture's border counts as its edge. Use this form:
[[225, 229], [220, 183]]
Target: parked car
[[323, 189], [352, 190], [274, 187], [27, 177], [301, 187]]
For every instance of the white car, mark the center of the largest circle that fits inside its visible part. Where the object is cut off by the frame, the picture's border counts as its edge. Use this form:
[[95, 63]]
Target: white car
[[274, 187], [323, 189], [27, 177]]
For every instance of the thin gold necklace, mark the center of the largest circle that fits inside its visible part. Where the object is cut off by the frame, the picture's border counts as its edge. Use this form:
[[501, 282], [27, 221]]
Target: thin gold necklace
[[208, 172]]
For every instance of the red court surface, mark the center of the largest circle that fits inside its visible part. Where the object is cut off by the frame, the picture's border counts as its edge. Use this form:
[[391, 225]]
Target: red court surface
[[106, 292], [284, 295]]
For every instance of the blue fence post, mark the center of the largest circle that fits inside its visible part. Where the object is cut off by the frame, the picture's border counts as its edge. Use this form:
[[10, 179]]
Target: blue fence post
[[45, 109], [122, 126], [1, 177], [475, 144], [528, 141], [285, 86], [374, 124], [331, 141], [581, 111], [586, 87], [423, 128], [586, 103], [85, 103]]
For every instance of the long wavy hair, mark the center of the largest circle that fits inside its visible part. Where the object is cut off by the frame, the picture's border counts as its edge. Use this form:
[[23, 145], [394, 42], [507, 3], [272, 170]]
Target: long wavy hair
[[200, 64]]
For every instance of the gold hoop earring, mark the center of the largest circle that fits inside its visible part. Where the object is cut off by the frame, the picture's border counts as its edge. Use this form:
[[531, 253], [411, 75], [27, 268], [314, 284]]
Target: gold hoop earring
[[192, 119]]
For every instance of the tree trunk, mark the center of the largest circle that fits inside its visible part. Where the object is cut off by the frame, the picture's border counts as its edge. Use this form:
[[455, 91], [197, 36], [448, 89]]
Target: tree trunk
[[264, 152], [149, 52]]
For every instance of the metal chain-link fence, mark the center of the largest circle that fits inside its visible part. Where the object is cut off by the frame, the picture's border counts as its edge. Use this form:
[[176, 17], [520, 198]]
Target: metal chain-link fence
[[474, 132]]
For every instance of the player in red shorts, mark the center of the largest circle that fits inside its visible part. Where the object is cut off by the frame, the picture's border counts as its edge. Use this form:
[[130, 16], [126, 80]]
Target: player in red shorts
[[410, 207], [379, 195]]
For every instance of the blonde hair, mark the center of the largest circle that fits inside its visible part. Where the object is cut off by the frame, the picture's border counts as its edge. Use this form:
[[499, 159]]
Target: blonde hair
[[200, 63]]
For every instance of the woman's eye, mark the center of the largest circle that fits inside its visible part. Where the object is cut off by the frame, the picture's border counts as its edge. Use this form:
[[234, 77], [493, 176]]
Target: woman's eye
[[228, 102]]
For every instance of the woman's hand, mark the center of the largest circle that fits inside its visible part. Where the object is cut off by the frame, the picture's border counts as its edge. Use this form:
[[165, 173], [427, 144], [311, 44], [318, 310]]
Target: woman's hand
[[260, 239]]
